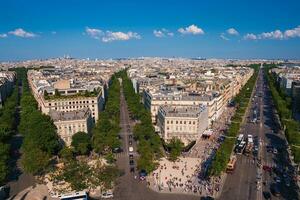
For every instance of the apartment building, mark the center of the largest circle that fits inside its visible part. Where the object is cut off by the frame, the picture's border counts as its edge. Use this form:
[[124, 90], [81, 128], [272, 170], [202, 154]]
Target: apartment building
[[69, 123], [154, 99], [7, 79], [186, 123], [61, 96]]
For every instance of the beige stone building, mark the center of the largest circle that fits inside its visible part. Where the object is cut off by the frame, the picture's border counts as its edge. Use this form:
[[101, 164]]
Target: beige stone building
[[187, 123], [69, 123]]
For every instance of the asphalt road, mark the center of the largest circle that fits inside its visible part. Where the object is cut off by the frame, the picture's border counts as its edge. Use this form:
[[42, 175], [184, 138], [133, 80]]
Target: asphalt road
[[128, 187], [18, 180], [243, 183]]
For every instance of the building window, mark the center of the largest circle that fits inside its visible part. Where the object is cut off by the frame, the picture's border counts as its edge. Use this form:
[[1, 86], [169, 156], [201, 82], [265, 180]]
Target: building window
[[49, 104], [180, 122], [176, 122], [194, 122], [167, 121]]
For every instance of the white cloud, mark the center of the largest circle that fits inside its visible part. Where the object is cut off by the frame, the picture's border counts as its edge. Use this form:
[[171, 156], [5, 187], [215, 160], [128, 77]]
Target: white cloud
[[19, 32], [4, 35], [232, 31], [53, 32], [109, 36], [292, 33], [112, 36], [162, 33], [158, 33], [223, 37], [275, 35], [250, 36], [94, 33], [192, 29]]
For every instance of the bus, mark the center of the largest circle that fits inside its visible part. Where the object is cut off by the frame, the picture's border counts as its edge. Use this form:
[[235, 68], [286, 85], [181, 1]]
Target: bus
[[231, 165], [249, 146], [240, 148], [240, 139], [74, 196]]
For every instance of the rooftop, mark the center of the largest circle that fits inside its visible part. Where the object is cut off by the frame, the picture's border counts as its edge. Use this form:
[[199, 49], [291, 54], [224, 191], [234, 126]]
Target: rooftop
[[71, 115]]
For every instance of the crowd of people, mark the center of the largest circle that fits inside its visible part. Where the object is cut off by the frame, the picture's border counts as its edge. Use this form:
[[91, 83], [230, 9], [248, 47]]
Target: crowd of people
[[188, 174]]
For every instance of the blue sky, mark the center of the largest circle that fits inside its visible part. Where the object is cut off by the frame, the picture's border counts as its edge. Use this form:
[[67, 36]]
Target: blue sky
[[113, 29]]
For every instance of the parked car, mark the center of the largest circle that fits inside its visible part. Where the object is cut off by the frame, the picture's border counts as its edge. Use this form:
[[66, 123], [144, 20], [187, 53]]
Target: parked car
[[117, 150], [107, 195], [130, 142], [267, 168], [275, 190], [131, 156], [267, 195], [131, 162]]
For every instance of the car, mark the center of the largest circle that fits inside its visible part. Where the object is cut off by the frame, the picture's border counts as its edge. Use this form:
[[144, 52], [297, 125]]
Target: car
[[267, 168], [131, 156], [132, 169], [107, 195], [130, 136], [287, 182], [117, 150], [131, 162], [275, 151], [130, 149], [275, 190], [130, 142]]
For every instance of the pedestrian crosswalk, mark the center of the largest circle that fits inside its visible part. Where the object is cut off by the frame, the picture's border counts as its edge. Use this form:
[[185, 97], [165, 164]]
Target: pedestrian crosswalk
[[124, 154]]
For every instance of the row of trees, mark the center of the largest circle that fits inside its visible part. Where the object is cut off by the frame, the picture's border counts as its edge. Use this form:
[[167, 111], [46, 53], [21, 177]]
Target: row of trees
[[149, 143], [7, 129], [241, 101], [41, 141], [284, 107], [105, 133]]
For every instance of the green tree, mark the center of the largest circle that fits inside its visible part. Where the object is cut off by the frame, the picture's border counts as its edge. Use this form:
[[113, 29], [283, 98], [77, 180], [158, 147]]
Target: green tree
[[81, 143], [175, 146], [35, 161]]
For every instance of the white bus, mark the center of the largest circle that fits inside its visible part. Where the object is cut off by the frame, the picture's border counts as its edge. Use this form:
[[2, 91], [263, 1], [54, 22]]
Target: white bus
[[74, 196], [240, 139]]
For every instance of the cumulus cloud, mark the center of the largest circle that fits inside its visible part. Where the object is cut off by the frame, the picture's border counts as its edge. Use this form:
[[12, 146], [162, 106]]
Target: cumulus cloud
[[223, 37], [94, 33], [250, 36], [192, 29], [112, 36], [162, 33], [53, 32], [275, 35], [109, 36], [232, 31], [4, 35], [19, 32], [292, 33]]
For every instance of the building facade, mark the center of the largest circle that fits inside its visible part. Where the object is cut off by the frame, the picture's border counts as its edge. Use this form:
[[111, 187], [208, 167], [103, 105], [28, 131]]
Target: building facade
[[69, 123], [187, 123]]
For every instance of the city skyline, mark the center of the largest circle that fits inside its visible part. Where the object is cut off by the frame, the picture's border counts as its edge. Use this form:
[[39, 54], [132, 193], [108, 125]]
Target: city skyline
[[38, 30]]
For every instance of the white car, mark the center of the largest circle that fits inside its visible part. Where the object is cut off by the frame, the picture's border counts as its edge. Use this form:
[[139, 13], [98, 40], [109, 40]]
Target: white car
[[107, 195], [130, 149]]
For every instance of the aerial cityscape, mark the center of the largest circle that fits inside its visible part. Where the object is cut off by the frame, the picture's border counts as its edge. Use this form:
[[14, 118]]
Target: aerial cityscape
[[150, 100]]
